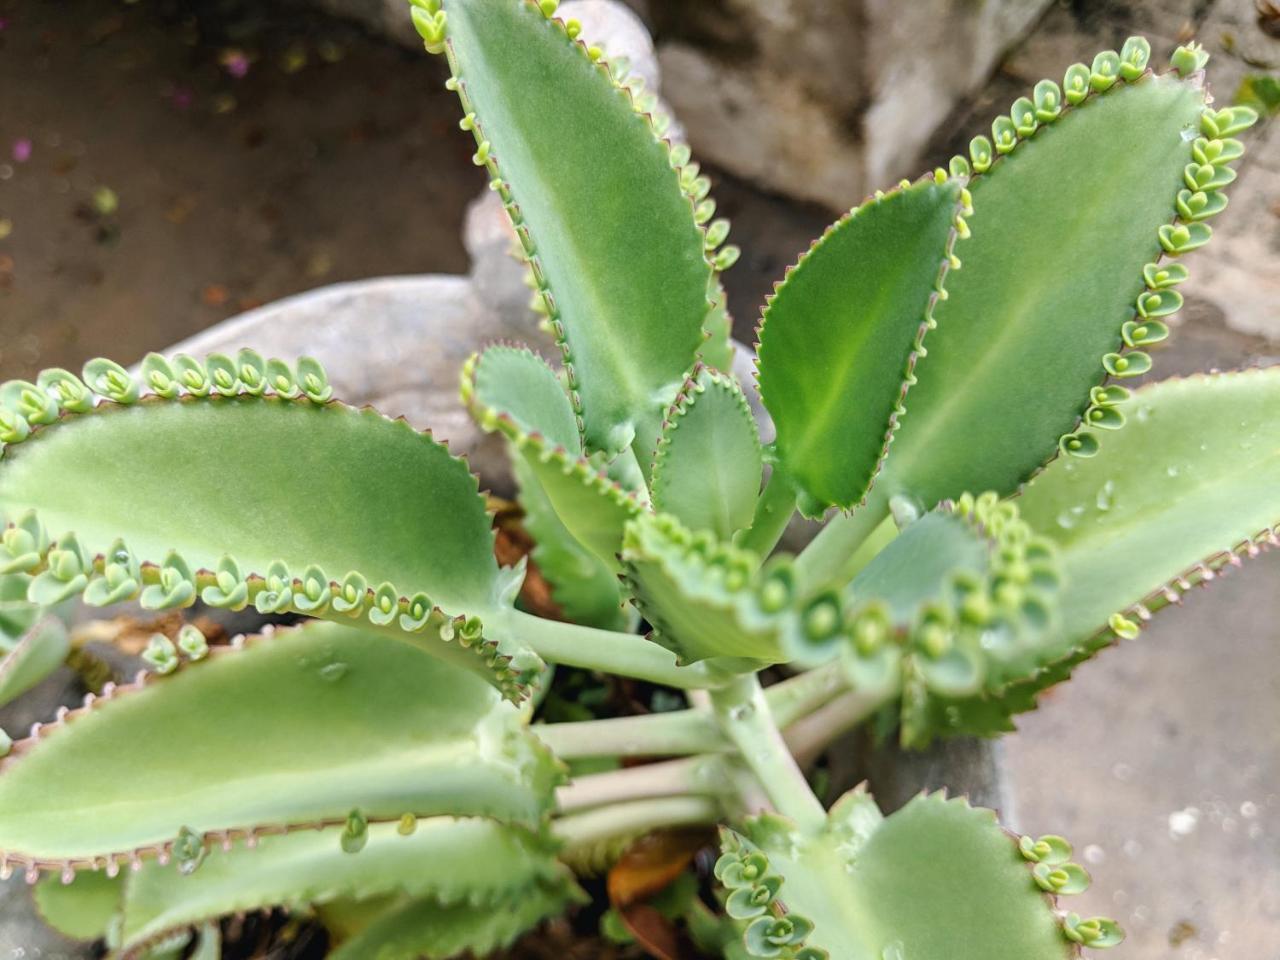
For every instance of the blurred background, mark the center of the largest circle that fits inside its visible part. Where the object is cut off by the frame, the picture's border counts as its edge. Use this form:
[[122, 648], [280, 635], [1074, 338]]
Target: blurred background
[[167, 165]]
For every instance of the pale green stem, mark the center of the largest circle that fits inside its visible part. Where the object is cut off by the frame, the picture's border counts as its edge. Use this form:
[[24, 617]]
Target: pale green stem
[[827, 558], [624, 654], [744, 716], [672, 734], [684, 732], [604, 823], [774, 510], [811, 734], [674, 778]]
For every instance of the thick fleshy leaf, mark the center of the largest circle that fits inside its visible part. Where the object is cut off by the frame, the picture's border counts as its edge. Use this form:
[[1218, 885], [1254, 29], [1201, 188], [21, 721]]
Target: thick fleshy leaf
[[296, 728], [708, 600], [1063, 224], [708, 468], [420, 929], [510, 390], [82, 909], [598, 206], [42, 649], [443, 861], [968, 597], [842, 334], [585, 590], [939, 878], [286, 500], [339, 488], [1190, 482]]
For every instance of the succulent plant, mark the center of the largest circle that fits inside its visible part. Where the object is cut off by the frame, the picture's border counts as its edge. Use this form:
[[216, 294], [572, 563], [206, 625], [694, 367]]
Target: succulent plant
[[944, 372]]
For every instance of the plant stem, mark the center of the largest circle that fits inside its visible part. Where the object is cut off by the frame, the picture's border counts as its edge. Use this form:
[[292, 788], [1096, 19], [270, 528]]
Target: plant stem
[[774, 510], [640, 816], [826, 558], [744, 716], [689, 775], [625, 654], [684, 732], [811, 734], [673, 734]]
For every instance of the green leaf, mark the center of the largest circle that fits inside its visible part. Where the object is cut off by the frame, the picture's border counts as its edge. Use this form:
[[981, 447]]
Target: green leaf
[[586, 590], [709, 600], [1191, 482], [296, 728], [969, 594], [709, 465], [443, 861], [17, 613], [843, 332], [82, 909], [170, 475], [262, 499], [423, 929], [40, 651], [599, 209], [509, 390], [939, 878], [1062, 228], [515, 383]]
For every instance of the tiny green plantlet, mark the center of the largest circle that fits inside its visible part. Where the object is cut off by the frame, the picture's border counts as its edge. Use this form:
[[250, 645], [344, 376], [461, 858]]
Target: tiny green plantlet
[[945, 371]]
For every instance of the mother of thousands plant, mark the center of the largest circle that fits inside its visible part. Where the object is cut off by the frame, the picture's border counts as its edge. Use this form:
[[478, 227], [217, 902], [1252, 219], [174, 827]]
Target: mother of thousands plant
[[998, 506]]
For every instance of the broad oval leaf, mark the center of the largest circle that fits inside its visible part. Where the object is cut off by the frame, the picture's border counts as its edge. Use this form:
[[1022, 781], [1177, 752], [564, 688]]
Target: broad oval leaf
[[1062, 227], [296, 728], [1192, 480], [598, 206], [841, 336], [442, 862], [708, 467], [938, 878], [262, 479]]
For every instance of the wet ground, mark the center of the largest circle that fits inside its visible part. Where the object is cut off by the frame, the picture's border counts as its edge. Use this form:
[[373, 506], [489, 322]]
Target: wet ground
[[165, 165]]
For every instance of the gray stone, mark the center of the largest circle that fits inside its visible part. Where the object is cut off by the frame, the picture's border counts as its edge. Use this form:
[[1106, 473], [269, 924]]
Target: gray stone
[[824, 101]]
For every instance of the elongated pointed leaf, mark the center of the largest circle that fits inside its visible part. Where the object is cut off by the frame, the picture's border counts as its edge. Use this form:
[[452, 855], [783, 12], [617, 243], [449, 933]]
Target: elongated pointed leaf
[[295, 728], [584, 589], [708, 468], [598, 205], [442, 863], [843, 332], [236, 495], [936, 879], [1191, 481], [512, 391], [1062, 228]]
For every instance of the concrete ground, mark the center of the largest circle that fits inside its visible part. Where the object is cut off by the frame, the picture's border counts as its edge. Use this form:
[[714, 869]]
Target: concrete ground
[[165, 165]]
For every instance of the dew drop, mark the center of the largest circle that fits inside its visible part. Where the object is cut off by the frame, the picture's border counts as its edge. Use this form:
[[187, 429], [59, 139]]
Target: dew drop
[[1144, 413], [1106, 496], [894, 951], [333, 672], [1171, 470]]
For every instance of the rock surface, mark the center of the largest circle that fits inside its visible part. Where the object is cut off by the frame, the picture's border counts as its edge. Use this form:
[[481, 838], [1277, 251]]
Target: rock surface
[[827, 101]]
